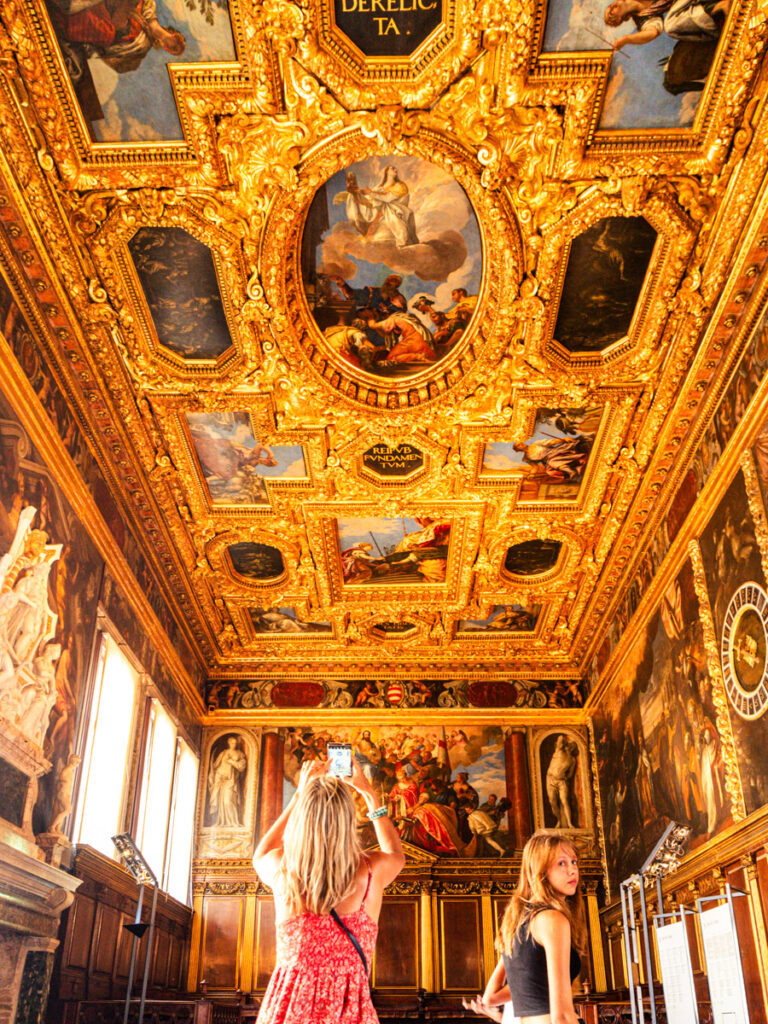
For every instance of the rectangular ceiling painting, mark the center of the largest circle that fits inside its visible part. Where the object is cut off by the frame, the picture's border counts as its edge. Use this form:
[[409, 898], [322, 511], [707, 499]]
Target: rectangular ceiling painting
[[377, 550], [662, 53], [117, 53]]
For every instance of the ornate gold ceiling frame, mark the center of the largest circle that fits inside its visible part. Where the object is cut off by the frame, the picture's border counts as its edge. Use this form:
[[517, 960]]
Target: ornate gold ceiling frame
[[169, 411], [281, 274], [152, 366], [526, 638], [348, 458], [466, 520], [413, 81], [201, 91], [669, 259], [615, 420], [253, 642], [423, 629], [579, 80], [574, 544]]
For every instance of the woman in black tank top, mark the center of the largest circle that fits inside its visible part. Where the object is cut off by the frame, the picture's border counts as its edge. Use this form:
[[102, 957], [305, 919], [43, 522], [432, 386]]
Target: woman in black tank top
[[541, 935]]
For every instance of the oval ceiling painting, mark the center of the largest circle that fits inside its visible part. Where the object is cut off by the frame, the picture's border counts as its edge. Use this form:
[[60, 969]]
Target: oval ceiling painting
[[391, 264]]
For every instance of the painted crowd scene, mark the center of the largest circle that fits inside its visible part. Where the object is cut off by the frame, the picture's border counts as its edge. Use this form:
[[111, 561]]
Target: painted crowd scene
[[445, 789]]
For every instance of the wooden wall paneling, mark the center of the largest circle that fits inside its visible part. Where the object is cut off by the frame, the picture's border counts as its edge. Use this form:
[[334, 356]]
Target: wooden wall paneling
[[396, 960], [175, 962], [222, 941], [77, 945], [761, 865], [735, 874], [461, 952], [264, 956], [159, 975], [123, 954], [103, 945]]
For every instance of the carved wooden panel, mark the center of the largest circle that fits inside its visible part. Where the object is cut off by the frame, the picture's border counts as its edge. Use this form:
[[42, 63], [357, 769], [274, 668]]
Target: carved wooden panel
[[460, 947], [264, 957], [222, 935], [396, 963]]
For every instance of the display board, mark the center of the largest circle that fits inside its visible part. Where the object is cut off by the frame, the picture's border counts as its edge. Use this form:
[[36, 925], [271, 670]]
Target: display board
[[724, 971], [677, 973]]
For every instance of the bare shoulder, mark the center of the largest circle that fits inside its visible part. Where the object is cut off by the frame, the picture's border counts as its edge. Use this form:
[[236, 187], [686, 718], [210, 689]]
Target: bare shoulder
[[551, 926], [268, 865]]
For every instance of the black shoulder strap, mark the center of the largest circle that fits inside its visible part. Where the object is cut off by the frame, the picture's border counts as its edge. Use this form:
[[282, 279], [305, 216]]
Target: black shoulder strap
[[352, 938]]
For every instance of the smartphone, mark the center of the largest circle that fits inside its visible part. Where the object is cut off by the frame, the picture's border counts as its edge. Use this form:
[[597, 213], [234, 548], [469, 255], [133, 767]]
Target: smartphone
[[340, 759]]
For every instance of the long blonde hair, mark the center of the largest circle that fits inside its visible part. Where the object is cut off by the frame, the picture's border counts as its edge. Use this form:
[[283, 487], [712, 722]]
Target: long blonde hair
[[534, 892], [321, 848]]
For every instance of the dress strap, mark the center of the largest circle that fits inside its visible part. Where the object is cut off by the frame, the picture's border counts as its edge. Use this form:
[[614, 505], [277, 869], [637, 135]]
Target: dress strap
[[368, 886]]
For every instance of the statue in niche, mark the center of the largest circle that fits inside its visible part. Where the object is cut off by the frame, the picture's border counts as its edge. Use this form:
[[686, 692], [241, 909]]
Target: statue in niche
[[28, 651], [559, 781], [62, 800], [224, 786]]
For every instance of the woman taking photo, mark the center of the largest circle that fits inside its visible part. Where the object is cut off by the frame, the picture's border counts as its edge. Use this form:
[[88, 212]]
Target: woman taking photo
[[327, 895], [541, 937]]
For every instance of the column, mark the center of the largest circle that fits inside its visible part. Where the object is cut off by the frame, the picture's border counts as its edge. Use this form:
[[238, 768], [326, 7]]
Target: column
[[193, 967], [518, 788], [486, 919], [426, 938], [757, 920], [271, 782], [595, 939]]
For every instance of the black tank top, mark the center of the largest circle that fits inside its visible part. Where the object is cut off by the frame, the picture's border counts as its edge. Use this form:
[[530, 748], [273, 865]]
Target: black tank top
[[526, 970]]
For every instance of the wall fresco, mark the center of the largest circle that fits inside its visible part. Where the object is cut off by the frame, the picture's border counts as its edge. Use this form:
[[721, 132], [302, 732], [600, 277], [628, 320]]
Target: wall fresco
[[445, 788]]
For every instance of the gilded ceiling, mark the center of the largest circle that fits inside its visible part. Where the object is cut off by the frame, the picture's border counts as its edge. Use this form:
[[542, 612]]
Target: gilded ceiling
[[391, 317]]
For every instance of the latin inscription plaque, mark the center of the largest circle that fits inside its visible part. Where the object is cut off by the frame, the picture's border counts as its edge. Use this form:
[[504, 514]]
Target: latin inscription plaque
[[387, 28]]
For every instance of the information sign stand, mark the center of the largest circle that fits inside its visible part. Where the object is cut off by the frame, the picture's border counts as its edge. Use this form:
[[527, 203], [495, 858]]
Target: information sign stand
[[725, 975], [676, 968], [134, 861]]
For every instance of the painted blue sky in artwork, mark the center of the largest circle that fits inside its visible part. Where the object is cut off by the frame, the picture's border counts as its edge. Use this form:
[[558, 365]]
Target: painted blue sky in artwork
[[501, 455], [636, 97], [442, 212], [387, 533], [139, 105]]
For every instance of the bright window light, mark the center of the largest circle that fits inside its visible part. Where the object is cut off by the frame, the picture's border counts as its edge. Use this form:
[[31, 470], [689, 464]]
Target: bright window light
[[106, 753], [154, 807], [178, 861]]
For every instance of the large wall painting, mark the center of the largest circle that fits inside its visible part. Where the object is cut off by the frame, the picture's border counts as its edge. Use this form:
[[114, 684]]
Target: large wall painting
[[72, 586], [445, 788], [178, 277], [396, 693], [392, 264], [563, 793], [552, 460], [663, 52], [378, 551], [117, 52], [234, 463], [658, 750], [606, 269], [731, 558]]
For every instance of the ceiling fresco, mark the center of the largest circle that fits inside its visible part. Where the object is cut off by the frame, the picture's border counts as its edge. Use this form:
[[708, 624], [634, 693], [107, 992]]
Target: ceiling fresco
[[385, 327]]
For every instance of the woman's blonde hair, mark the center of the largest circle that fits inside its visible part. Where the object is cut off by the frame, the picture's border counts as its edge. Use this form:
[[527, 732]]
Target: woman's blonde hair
[[321, 848], [534, 892]]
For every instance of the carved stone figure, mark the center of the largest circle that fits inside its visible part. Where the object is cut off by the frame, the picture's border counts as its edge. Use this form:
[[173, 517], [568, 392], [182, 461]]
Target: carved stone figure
[[224, 800], [62, 800], [28, 652], [559, 781]]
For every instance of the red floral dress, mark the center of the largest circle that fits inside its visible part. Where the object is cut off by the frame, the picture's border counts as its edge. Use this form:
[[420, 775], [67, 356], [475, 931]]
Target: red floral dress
[[319, 976]]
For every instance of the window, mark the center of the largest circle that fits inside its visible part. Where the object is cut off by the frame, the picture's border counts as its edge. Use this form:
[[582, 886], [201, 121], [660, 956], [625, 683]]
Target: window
[[166, 818], [164, 824], [104, 776], [182, 827]]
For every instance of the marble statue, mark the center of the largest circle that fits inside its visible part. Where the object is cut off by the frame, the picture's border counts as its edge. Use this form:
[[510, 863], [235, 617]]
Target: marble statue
[[28, 650]]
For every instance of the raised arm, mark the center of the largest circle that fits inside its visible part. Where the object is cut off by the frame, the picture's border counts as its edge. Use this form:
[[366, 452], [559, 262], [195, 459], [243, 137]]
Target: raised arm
[[551, 929], [388, 863], [269, 851]]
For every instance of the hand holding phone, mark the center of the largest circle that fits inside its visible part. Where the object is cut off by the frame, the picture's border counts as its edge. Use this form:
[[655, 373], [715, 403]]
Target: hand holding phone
[[340, 759]]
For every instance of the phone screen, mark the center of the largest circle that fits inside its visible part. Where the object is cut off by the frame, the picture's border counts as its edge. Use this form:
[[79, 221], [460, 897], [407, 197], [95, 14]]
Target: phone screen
[[340, 759]]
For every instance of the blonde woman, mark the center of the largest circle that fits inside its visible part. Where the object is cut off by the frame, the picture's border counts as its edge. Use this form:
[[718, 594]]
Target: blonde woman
[[541, 936], [327, 896]]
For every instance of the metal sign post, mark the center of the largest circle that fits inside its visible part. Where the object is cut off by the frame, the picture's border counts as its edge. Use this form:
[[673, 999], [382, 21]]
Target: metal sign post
[[133, 860]]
